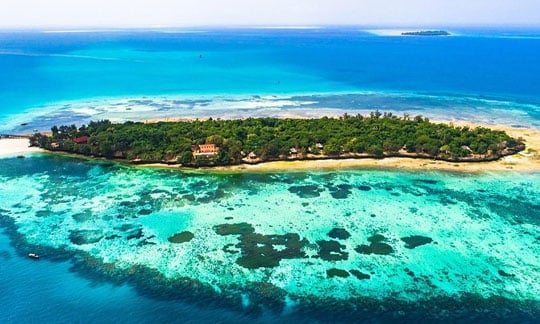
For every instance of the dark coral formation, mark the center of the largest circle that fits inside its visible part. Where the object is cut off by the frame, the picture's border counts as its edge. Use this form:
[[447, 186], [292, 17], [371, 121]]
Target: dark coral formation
[[80, 237], [259, 251], [505, 274], [409, 272], [265, 296], [364, 188], [228, 248], [307, 191], [426, 181], [339, 233], [131, 231], [376, 238], [262, 251], [234, 229], [341, 191], [415, 241], [332, 251], [181, 237], [44, 213], [144, 211], [82, 217], [376, 246], [360, 275], [135, 233], [330, 273]]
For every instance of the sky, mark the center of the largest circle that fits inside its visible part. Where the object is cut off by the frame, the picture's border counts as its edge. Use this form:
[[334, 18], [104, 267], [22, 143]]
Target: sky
[[187, 13]]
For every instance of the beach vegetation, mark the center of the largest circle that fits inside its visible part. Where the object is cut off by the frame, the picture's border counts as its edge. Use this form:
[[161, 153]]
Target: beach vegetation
[[377, 135], [427, 33]]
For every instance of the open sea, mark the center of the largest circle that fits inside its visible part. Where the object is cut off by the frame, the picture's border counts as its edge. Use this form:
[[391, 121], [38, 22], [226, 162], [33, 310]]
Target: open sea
[[124, 244]]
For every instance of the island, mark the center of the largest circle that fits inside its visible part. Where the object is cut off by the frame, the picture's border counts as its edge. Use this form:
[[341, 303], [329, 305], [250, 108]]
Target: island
[[427, 33], [217, 142]]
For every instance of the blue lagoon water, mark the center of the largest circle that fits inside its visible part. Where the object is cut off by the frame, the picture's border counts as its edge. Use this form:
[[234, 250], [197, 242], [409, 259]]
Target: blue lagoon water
[[121, 244], [69, 77]]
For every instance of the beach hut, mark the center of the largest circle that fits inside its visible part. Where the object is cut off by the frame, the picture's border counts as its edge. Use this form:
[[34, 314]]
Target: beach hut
[[81, 140], [206, 150]]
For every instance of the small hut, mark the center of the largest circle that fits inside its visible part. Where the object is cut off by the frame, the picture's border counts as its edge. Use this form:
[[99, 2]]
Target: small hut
[[81, 140], [206, 150], [293, 151]]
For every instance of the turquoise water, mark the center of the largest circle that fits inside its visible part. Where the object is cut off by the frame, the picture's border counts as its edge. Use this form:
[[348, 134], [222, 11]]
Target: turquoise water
[[121, 244], [265, 240], [74, 77]]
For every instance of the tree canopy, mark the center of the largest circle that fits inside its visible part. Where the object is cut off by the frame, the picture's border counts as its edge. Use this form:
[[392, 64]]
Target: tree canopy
[[378, 135]]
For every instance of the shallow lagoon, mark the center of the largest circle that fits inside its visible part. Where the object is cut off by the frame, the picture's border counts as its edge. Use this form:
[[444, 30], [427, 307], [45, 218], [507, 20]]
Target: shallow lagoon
[[290, 238], [364, 246]]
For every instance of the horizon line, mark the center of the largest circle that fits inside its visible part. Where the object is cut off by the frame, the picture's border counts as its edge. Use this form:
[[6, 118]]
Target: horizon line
[[86, 28]]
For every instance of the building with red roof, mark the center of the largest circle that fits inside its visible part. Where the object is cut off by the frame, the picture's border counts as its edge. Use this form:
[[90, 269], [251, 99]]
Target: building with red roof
[[81, 140]]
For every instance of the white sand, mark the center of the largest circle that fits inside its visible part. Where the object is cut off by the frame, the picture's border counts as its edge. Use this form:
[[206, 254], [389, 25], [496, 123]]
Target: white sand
[[16, 146], [526, 161]]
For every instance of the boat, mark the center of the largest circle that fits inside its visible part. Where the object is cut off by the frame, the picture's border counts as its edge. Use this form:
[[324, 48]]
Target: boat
[[33, 256]]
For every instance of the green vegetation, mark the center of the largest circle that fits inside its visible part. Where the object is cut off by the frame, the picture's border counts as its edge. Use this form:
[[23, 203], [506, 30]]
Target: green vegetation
[[265, 139], [427, 33]]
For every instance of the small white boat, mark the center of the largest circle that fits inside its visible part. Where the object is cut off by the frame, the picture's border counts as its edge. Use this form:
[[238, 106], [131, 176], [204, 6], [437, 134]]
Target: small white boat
[[33, 256]]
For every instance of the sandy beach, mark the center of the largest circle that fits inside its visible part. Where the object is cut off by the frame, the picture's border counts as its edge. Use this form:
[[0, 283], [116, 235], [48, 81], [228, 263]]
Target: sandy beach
[[16, 146], [526, 161]]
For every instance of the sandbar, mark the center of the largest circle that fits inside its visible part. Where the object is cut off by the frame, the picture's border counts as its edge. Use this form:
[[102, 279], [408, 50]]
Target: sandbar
[[10, 147]]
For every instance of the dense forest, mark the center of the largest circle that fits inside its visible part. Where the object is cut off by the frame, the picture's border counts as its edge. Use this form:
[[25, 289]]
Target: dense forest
[[255, 140]]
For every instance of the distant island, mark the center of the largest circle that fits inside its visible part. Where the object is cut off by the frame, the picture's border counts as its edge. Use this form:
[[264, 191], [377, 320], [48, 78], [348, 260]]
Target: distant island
[[216, 142], [427, 33]]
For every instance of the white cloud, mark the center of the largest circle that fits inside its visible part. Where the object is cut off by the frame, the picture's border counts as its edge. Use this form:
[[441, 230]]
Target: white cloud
[[144, 13]]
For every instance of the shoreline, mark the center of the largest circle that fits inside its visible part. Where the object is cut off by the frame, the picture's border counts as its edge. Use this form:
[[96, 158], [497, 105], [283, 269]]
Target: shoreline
[[308, 104], [525, 161], [11, 147]]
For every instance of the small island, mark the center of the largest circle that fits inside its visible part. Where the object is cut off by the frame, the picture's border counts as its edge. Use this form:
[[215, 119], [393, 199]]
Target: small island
[[216, 142], [427, 33]]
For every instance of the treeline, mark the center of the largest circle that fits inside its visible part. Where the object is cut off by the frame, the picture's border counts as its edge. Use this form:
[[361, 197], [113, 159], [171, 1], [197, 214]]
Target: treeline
[[264, 139], [427, 33]]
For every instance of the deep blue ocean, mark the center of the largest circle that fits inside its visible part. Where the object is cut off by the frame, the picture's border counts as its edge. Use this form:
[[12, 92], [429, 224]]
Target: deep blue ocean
[[56, 292], [46, 78], [493, 71]]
